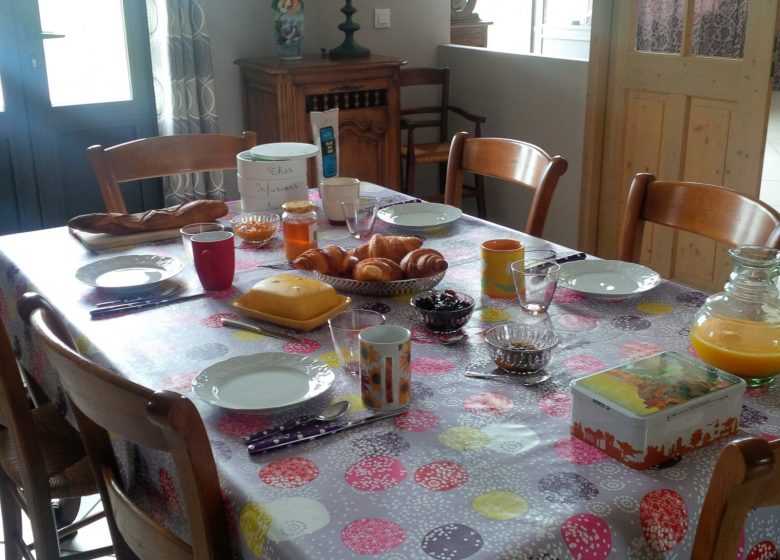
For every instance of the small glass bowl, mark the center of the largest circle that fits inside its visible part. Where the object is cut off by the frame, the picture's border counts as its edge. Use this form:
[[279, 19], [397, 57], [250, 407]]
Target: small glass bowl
[[520, 348], [257, 228], [432, 309]]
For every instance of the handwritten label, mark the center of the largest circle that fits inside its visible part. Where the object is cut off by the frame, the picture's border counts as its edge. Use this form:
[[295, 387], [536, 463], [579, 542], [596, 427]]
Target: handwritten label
[[266, 196]]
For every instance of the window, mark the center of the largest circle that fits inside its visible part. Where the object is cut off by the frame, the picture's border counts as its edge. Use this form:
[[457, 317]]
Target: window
[[88, 63], [559, 28]]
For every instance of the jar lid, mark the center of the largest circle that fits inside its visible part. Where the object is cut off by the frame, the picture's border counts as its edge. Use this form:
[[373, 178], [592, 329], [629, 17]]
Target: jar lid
[[298, 206]]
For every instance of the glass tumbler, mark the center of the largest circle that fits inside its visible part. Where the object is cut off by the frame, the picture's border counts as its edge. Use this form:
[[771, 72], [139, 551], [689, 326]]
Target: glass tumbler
[[535, 281], [344, 330], [360, 214]]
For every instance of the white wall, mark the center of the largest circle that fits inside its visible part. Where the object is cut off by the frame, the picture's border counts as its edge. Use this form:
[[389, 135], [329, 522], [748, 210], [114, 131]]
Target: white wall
[[244, 29], [540, 100], [532, 98]]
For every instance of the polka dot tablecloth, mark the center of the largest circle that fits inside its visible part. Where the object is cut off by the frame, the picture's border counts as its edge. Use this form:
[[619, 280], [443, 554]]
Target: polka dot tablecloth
[[475, 469]]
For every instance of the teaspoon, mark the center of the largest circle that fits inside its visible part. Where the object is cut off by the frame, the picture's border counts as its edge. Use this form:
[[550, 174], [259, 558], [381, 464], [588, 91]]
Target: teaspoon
[[334, 411]]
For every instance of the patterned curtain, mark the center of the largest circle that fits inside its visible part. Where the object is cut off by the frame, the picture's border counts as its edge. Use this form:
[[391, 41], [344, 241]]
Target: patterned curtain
[[718, 27], [183, 87]]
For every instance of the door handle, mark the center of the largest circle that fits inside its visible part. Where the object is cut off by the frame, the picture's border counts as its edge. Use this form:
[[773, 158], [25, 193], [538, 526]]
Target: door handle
[[50, 35]]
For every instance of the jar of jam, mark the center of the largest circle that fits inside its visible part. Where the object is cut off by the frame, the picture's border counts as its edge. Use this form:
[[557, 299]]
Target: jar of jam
[[299, 227]]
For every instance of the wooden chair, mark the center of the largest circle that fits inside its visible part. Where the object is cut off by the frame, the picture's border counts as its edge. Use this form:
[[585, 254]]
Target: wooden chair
[[434, 117], [719, 213], [511, 160], [746, 476], [105, 403], [160, 156], [41, 459]]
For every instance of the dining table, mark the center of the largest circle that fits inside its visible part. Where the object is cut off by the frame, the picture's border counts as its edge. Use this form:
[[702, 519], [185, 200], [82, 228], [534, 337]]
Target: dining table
[[474, 468]]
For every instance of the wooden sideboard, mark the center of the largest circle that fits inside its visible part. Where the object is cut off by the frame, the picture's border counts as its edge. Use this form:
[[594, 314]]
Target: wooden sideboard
[[278, 95], [469, 33]]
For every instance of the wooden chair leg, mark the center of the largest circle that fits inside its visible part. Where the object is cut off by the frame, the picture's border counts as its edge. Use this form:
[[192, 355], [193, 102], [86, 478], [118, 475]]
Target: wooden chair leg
[[442, 176], [12, 518], [410, 165], [479, 183]]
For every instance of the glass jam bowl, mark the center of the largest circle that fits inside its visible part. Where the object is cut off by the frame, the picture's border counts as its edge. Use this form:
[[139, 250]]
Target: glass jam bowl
[[257, 228]]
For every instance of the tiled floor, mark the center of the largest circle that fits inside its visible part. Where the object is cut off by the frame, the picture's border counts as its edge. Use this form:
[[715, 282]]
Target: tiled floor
[[770, 180], [93, 536]]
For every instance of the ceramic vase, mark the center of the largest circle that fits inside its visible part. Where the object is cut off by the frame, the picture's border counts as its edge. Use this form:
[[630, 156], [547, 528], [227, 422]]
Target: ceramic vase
[[288, 28]]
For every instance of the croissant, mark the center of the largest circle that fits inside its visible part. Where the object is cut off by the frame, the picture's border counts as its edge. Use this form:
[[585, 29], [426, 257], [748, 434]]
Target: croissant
[[377, 270], [331, 260], [393, 247], [360, 252], [423, 262]]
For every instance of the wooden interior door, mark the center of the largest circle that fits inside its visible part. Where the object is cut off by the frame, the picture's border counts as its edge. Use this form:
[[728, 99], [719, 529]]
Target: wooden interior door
[[686, 96]]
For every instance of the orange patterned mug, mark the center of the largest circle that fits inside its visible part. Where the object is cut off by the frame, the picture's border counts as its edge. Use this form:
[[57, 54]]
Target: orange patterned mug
[[497, 258], [385, 367]]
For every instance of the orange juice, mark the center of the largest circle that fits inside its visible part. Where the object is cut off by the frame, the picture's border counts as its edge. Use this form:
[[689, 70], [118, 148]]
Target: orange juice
[[744, 348]]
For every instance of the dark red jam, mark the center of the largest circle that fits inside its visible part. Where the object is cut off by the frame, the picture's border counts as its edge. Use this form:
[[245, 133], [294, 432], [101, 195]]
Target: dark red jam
[[447, 300]]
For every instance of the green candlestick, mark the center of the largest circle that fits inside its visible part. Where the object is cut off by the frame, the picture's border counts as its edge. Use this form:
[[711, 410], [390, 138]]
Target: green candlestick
[[349, 48]]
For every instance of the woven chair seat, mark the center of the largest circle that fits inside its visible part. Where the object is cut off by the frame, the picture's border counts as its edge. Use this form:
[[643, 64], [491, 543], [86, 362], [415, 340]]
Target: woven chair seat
[[67, 466], [429, 153]]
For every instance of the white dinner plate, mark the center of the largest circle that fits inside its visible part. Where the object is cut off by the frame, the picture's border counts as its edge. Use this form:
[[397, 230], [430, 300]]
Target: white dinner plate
[[129, 272], [424, 215], [607, 279], [263, 382], [277, 151]]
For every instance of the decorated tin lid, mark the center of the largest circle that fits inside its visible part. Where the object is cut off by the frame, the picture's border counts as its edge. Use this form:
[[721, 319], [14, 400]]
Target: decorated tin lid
[[277, 151], [656, 383]]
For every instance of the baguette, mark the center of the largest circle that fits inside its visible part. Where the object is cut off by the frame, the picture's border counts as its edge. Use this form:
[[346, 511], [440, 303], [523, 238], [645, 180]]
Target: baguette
[[153, 220]]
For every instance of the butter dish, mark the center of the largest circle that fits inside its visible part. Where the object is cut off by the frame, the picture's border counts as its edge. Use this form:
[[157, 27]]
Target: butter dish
[[292, 301]]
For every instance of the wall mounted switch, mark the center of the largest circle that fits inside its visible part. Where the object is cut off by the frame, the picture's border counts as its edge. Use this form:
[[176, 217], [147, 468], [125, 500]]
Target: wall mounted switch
[[382, 18]]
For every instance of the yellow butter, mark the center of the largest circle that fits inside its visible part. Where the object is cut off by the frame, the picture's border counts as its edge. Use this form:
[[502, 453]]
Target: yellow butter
[[292, 297]]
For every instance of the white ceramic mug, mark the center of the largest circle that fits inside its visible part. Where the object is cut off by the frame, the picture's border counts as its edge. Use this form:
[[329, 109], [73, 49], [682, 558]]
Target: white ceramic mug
[[333, 191], [385, 366]]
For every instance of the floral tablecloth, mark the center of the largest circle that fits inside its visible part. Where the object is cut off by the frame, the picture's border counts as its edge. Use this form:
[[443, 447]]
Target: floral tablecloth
[[475, 469]]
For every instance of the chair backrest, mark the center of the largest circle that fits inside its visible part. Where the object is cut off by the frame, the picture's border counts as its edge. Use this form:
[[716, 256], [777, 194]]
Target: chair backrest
[[429, 76], [160, 156], [518, 162], [105, 403], [746, 476], [16, 416], [719, 213]]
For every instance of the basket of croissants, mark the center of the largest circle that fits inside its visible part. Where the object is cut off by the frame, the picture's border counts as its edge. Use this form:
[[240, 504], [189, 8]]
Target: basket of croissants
[[387, 265]]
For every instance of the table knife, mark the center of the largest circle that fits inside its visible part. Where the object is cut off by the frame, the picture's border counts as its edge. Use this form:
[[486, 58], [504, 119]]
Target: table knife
[[315, 432], [104, 312], [226, 321], [571, 258]]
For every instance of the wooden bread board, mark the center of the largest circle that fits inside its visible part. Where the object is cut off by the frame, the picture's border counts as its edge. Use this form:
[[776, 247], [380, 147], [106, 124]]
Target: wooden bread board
[[98, 241]]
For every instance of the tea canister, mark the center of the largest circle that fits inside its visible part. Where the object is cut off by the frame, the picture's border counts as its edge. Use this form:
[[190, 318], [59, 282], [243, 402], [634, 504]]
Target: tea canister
[[654, 409]]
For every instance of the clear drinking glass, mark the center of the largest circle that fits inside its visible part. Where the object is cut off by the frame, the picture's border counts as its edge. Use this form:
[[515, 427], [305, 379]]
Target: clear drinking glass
[[535, 279], [189, 230], [360, 214], [344, 330]]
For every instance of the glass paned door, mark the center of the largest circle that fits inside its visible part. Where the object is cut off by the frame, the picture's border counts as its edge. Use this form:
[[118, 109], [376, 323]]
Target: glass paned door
[[74, 74], [86, 51]]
